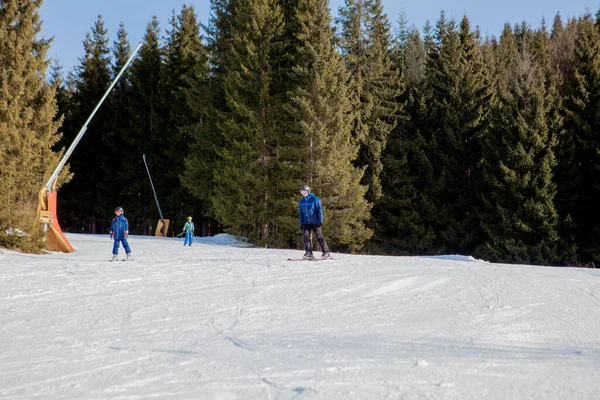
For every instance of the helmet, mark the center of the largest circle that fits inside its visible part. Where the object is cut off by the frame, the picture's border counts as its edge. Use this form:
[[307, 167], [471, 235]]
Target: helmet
[[189, 218], [305, 188], [120, 209]]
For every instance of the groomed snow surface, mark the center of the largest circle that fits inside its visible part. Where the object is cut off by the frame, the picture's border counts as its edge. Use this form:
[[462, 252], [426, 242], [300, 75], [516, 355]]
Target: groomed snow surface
[[221, 320]]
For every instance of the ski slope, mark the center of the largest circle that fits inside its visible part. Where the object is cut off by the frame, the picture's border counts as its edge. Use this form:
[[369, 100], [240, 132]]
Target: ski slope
[[220, 320]]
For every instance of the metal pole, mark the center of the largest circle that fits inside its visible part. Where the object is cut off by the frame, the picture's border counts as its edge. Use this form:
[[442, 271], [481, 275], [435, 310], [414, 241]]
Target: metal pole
[[155, 196], [66, 156]]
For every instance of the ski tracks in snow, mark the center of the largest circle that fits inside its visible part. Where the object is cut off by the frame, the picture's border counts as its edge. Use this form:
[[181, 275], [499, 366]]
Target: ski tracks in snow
[[237, 322]]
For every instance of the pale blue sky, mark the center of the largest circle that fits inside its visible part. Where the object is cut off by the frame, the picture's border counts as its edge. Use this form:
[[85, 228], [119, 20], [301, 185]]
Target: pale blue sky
[[69, 20]]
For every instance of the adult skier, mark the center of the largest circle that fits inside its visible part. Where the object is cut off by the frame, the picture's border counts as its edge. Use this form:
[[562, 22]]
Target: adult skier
[[311, 220]]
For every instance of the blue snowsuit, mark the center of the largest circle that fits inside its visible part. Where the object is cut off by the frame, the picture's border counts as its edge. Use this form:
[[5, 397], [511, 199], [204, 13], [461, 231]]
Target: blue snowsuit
[[189, 232], [119, 229]]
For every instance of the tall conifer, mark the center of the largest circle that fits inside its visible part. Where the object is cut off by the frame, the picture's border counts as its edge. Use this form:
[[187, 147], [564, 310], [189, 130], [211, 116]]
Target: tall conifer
[[115, 138], [206, 101], [580, 145], [185, 55], [519, 220], [365, 40], [80, 201], [458, 104], [402, 212], [320, 105], [28, 113], [247, 176], [144, 104]]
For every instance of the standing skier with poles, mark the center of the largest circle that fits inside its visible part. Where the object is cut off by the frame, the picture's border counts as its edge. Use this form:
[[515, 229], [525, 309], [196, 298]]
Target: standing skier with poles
[[119, 230], [188, 228], [311, 219]]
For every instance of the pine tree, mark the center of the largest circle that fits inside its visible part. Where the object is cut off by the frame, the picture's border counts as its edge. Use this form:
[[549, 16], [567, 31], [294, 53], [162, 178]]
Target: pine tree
[[552, 82], [562, 45], [248, 171], [184, 55], [80, 202], [28, 114], [401, 213], [413, 60], [319, 106], [63, 90], [428, 38], [578, 189], [365, 41], [144, 104], [206, 101], [433, 173], [115, 136], [458, 103], [520, 221]]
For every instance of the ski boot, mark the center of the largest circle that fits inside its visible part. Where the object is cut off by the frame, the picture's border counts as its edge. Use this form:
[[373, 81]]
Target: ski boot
[[114, 258], [308, 256], [326, 255], [129, 258]]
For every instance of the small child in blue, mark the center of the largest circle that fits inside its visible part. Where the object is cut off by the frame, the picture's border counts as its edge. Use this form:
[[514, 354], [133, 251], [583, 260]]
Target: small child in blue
[[188, 228], [119, 230]]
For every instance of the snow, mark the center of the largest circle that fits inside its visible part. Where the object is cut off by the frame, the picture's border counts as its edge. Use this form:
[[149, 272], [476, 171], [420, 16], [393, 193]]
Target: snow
[[224, 320]]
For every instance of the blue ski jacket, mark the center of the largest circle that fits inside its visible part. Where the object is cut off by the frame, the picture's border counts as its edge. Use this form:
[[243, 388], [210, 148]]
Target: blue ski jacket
[[119, 227], [310, 210]]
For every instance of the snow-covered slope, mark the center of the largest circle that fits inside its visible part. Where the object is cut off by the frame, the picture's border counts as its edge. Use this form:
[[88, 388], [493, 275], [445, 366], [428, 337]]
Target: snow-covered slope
[[220, 320]]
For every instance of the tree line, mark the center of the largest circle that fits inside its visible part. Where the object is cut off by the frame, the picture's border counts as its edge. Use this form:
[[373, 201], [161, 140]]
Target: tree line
[[418, 141]]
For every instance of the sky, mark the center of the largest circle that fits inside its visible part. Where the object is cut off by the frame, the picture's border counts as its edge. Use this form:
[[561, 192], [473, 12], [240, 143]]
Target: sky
[[221, 320], [68, 21]]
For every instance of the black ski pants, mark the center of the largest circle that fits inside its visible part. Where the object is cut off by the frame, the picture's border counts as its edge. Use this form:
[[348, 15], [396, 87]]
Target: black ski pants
[[307, 229]]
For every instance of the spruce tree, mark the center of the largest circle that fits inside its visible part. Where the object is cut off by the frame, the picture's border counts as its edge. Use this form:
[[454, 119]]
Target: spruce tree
[[319, 106], [115, 136], [458, 105], [580, 145], [519, 219], [365, 41], [401, 214], [248, 170], [562, 44], [63, 89], [412, 60], [207, 103], [80, 201], [433, 170], [144, 105], [28, 114], [552, 82], [184, 55]]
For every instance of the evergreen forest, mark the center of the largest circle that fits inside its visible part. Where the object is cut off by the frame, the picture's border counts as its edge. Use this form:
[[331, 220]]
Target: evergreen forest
[[418, 140]]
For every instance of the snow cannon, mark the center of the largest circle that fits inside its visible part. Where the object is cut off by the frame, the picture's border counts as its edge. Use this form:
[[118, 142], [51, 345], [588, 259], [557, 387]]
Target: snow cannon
[[48, 196], [46, 212]]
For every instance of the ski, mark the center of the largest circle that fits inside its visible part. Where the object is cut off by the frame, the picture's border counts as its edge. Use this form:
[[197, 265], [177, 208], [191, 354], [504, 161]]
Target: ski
[[311, 259]]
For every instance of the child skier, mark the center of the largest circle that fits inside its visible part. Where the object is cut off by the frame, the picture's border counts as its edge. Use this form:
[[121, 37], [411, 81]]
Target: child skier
[[119, 230], [188, 228]]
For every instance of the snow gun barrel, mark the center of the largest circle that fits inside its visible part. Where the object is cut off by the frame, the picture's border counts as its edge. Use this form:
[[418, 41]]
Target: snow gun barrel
[[63, 161]]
